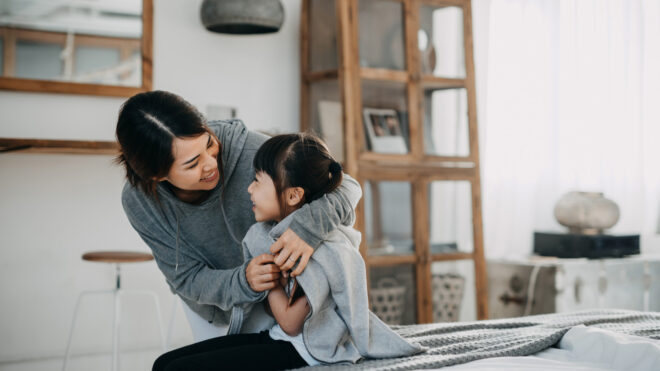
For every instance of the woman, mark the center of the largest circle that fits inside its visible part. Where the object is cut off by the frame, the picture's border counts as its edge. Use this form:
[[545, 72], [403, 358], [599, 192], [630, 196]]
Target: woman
[[186, 198]]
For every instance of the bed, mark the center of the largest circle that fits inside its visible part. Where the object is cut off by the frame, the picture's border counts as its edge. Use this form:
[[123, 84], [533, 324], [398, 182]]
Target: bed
[[586, 340]]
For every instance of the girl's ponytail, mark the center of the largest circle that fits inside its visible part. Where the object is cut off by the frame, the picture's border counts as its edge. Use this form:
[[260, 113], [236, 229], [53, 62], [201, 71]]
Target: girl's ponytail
[[336, 176]]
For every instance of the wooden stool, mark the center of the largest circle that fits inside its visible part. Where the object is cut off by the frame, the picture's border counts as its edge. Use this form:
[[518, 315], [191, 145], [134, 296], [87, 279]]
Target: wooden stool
[[117, 258]]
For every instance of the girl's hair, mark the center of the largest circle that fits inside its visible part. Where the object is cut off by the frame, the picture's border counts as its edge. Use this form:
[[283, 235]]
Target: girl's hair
[[146, 127], [298, 160]]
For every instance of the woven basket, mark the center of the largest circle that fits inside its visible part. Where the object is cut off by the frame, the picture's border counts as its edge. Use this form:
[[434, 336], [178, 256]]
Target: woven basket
[[447, 296], [387, 300]]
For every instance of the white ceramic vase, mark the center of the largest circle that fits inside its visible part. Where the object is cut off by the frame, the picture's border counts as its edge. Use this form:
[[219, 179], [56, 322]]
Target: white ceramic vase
[[586, 212]]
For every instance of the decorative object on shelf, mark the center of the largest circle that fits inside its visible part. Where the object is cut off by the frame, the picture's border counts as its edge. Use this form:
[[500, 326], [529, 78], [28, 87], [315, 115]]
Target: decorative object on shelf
[[381, 246], [444, 248], [586, 212], [387, 300], [383, 129], [426, 52], [242, 17], [332, 130], [386, 246], [447, 296], [566, 245]]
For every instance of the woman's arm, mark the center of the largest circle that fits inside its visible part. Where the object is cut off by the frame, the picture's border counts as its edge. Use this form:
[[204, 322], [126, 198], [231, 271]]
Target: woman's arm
[[291, 318], [313, 222], [193, 279], [188, 276]]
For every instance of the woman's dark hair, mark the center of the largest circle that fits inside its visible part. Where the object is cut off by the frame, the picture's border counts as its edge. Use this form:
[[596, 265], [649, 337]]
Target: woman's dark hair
[[146, 127], [298, 160]]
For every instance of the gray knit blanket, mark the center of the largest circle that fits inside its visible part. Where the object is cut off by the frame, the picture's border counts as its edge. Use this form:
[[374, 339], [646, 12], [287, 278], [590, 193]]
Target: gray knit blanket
[[454, 343]]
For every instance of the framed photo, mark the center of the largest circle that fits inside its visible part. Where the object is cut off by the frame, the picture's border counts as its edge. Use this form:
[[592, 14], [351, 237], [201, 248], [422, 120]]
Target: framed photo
[[383, 131]]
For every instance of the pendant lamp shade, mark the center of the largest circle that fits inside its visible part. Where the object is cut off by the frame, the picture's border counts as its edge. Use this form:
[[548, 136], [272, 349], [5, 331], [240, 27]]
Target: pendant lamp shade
[[242, 16]]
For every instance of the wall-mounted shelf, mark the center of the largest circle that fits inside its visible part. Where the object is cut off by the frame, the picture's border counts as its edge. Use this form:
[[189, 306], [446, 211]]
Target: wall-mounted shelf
[[25, 145]]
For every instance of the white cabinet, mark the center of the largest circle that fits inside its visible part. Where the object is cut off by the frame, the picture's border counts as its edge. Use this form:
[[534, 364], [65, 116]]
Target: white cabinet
[[551, 285]]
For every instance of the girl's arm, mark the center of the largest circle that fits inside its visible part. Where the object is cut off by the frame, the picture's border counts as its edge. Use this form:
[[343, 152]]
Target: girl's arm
[[290, 317]]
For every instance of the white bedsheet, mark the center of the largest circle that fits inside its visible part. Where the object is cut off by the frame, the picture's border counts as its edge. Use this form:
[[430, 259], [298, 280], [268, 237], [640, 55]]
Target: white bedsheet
[[583, 349]]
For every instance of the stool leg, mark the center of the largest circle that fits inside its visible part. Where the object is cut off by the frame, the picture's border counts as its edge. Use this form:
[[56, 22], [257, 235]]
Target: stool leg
[[160, 320], [158, 312], [115, 331], [170, 327], [73, 322]]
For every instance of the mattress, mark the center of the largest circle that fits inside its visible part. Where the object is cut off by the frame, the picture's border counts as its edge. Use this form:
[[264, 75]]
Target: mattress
[[582, 349]]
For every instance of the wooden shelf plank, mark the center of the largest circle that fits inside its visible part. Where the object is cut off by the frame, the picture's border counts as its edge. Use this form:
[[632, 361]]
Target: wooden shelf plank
[[431, 170], [314, 76], [17, 84], [450, 159], [452, 256], [390, 260], [389, 157], [434, 82], [25, 145], [383, 74], [441, 3]]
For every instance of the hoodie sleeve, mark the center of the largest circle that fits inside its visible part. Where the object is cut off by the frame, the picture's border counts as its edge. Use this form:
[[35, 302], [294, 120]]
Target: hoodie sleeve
[[315, 220], [188, 276]]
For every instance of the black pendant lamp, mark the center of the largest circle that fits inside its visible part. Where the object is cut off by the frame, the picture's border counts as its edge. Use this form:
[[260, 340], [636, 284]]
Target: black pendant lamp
[[242, 17]]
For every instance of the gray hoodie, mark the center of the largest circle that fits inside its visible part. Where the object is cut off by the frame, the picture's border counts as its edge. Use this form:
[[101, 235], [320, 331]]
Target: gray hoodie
[[340, 327], [198, 247]]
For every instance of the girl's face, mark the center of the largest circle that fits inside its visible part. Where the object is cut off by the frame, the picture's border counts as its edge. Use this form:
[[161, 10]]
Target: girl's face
[[265, 203], [195, 166]]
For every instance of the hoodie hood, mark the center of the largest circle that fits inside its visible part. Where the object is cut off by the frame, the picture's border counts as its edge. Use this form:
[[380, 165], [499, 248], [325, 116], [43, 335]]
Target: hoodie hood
[[232, 141]]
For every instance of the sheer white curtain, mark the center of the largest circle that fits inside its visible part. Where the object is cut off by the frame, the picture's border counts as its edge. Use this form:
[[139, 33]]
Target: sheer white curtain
[[571, 95]]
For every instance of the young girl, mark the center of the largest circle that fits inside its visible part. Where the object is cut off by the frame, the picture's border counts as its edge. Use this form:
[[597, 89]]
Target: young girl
[[320, 316]]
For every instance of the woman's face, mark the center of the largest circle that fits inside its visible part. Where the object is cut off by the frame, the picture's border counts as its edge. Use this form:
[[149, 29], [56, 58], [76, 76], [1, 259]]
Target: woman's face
[[195, 166], [263, 195]]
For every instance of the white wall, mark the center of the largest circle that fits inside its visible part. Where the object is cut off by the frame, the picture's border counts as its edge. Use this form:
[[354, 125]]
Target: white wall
[[55, 207]]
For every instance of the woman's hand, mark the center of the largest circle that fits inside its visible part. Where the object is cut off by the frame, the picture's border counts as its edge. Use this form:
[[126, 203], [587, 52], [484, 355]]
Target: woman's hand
[[262, 274], [289, 248]]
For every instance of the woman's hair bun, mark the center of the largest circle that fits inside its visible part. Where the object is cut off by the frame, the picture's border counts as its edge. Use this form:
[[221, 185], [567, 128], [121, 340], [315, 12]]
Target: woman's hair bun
[[335, 167]]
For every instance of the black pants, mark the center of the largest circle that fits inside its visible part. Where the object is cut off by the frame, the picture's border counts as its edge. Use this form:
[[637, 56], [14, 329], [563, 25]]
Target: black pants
[[233, 352]]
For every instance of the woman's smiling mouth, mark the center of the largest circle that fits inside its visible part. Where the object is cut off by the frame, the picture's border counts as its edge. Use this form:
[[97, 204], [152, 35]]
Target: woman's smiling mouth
[[212, 177]]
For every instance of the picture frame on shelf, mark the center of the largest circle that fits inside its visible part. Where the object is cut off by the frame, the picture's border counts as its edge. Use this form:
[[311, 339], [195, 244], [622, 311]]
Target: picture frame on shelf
[[383, 131], [332, 130]]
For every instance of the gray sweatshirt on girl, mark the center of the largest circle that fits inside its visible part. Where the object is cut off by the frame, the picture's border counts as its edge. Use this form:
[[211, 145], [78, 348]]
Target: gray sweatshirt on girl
[[339, 327], [198, 247]]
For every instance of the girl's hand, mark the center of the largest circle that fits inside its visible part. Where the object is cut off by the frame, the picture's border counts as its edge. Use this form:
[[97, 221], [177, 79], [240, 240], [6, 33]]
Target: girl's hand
[[283, 280], [262, 274], [289, 248]]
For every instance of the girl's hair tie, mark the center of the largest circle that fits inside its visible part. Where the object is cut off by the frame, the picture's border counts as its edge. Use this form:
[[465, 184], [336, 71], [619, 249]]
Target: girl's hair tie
[[335, 167]]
